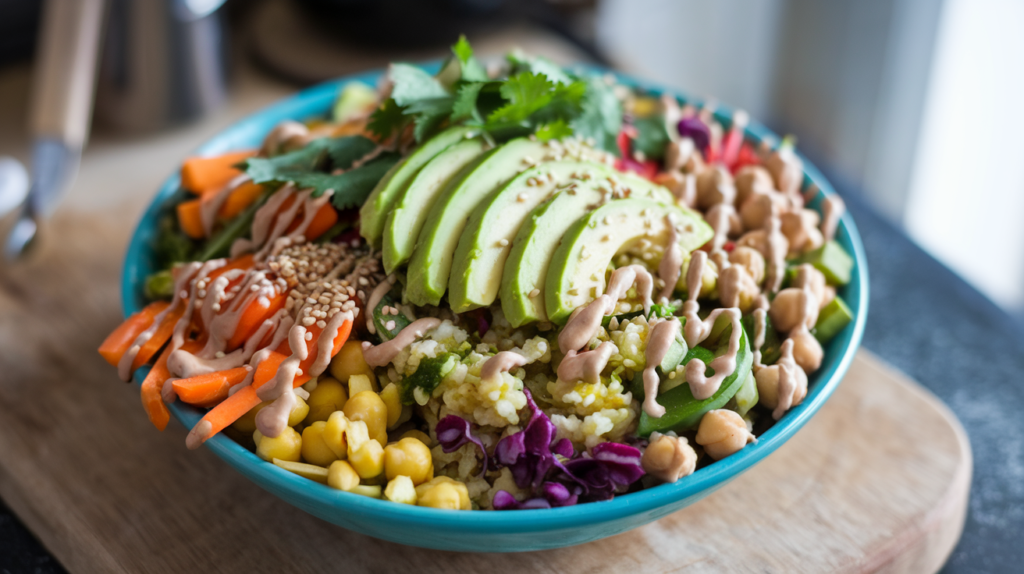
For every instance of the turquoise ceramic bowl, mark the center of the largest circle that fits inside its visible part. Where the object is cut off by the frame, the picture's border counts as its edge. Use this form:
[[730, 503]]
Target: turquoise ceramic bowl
[[511, 531]]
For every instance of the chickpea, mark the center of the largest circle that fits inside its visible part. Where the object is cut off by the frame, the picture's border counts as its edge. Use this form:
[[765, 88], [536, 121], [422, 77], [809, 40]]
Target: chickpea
[[285, 446], [801, 229], [714, 186], [342, 476], [677, 154], [756, 240], [400, 489], [449, 495], [669, 458], [708, 280], [757, 208], [464, 503], [807, 351], [360, 383], [368, 459], [790, 306], [334, 434], [367, 406], [736, 288], [299, 411], [409, 457], [751, 259], [722, 432], [349, 361], [393, 401], [807, 277], [787, 170], [751, 179], [767, 379], [328, 396], [314, 447]]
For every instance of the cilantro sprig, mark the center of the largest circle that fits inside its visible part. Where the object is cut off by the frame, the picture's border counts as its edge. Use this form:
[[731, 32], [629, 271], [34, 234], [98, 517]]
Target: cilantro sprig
[[533, 96]]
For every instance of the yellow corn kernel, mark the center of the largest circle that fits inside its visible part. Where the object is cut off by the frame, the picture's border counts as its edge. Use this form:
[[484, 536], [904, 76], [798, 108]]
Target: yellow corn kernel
[[368, 459], [372, 491], [389, 395], [367, 406], [299, 412], [314, 447], [310, 471], [418, 435], [358, 384], [335, 434], [342, 476], [445, 495], [286, 446], [247, 422], [400, 489], [328, 396], [409, 457], [464, 503], [349, 361]]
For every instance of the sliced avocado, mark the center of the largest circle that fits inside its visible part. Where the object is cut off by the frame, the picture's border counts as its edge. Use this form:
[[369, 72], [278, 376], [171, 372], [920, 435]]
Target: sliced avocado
[[578, 267], [487, 239], [374, 212], [355, 98], [832, 260], [682, 411], [432, 258], [832, 318], [413, 203], [526, 266]]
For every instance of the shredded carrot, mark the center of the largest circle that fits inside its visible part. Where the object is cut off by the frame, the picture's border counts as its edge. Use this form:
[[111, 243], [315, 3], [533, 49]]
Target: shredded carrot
[[209, 388], [152, 385], [117, 343], [254, 316], [190, 219], [233, 407], [241, 197], [202, 175], [163, 333], [322, 221]]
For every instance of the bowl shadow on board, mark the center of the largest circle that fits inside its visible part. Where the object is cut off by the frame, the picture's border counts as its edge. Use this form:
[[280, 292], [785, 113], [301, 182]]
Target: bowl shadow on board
[[489, 531]]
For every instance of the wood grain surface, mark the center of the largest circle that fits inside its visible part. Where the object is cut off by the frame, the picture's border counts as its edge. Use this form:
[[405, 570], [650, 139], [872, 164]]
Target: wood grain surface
[[877, 481]]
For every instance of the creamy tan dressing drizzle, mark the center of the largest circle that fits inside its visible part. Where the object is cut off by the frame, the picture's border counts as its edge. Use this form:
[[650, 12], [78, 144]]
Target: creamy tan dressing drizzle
[[501, 363], [262, 222], [696, 331], [584, 322], [124, 366], [788, 380], [720, 218], [832, 208], [777, 247], [380, 355], [375, 298], [663, 334], [273, 418], [671, 263], [281, 134], [586, 366], [209, 205], [759, 335], [624, 277], [325, 344]]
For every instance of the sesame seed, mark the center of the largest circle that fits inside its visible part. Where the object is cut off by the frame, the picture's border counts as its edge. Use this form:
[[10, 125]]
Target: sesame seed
[[534, 293], [390, 325], [503, 242]]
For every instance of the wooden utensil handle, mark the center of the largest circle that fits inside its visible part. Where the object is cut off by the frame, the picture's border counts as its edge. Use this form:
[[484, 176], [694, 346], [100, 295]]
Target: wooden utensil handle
[[65, 69]]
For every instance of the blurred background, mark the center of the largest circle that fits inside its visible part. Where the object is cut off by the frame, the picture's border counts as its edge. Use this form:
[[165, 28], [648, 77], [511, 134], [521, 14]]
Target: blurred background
[[912, 102]]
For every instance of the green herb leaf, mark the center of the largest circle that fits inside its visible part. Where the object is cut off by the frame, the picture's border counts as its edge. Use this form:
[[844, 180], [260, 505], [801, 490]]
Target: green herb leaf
[[526, 93], [387, 119], [651, 136], [263, 170], [538, 65], [344, 151], [601, 115], [462, 50], [464, 107], [412, 84], [557, 129], [471, 68]]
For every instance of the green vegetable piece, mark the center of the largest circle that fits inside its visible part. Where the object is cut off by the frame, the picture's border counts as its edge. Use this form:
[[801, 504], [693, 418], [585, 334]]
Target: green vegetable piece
[[220, 244], [747, 396], [832, 260], [667, 385], [657, 310], [832, 319], [651, 137], [427, 376], [159, 285], [380, 320], [771, 350], [683, 411], [354, 99]]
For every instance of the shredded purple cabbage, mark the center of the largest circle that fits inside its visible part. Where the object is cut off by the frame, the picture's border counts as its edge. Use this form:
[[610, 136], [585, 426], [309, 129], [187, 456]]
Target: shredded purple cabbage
[[610, 468], [553, 495], [692, 127], [454, 431]]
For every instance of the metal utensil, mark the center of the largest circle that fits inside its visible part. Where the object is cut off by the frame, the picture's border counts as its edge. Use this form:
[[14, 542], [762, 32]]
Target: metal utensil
[[62, 97], [13, 184]]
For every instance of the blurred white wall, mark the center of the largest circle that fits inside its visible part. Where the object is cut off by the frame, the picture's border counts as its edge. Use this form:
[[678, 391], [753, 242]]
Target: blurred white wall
[[917, 100]]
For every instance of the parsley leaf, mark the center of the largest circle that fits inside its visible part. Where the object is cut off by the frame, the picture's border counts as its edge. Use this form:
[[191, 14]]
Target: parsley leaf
[[344, 151], [471, 69], [601, 115], [464, 107], [412, 84], [555, 130], [526, 93], [387, 119], [538, 65], [351, 188]]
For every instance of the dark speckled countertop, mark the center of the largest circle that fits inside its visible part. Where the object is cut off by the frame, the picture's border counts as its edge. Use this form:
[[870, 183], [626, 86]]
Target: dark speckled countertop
[[927, 322]]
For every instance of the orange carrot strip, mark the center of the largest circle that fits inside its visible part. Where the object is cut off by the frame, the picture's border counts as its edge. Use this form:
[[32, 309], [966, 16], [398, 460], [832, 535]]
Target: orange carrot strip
[[117, 343], [209, 388], [152, 401], [254, 316], [233, 407], [324, 220], [159, 339], [202, 175], [241, 197], [190, 218]]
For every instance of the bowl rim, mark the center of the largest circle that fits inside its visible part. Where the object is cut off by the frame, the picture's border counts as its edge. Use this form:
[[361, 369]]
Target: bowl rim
[[317, 100]]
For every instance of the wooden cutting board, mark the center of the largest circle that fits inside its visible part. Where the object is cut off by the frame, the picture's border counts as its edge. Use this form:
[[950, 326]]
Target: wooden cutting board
[[877, 481]]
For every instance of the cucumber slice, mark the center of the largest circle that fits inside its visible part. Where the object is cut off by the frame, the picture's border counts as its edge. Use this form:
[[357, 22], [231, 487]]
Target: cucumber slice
[[832, 260], [832, 319]]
